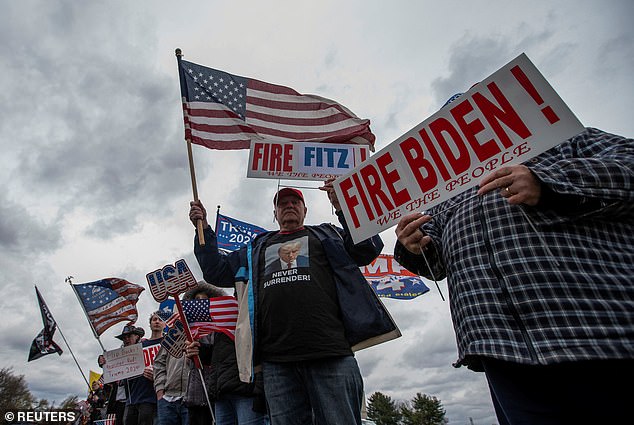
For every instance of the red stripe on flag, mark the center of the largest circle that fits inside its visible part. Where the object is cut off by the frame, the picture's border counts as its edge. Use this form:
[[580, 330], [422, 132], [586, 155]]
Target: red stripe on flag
[[221, 113]]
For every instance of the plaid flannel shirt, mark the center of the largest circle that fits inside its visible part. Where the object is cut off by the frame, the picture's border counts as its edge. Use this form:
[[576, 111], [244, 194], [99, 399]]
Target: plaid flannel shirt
[[510, 298]]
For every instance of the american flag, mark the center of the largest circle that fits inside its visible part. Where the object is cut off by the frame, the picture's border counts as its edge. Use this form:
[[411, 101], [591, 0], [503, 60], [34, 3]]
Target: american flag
[[225, 111], [209, 315], [110, 420], [109, 301]]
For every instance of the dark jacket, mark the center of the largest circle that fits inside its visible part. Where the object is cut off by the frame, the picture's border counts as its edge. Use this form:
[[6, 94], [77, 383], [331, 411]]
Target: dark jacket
[[220, 371], [366, 321], [222, 356]]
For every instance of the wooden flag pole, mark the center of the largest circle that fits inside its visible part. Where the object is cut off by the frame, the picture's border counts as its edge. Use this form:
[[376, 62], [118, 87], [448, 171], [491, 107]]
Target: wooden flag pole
[[196, 359], [192, 172]]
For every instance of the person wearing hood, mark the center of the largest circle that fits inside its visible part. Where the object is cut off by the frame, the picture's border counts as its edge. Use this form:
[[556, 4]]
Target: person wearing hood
[[234, 401]]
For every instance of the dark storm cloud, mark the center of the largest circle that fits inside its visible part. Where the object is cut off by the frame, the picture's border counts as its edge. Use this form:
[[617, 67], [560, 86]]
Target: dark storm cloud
[[471, 60], [100, 135], [22, 234]]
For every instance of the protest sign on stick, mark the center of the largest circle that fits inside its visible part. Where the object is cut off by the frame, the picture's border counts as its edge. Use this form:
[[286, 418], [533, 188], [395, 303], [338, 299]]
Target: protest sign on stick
[[506, 119], [171, 280], [303, 161]]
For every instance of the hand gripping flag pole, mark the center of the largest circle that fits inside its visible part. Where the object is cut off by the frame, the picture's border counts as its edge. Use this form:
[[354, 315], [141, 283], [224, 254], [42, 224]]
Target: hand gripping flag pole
[[197, 363], [192, 172]]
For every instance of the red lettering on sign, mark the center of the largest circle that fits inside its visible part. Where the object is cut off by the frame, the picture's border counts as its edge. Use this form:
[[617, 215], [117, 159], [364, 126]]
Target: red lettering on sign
[[413, 153], [459, 163], [288, 157], [364, 199], [519, 75], [390, 178], [351, 201], [505, 113], [265, 159], [470, 129], [257, 155], [149, 353], [440, 165], [275, 163], [373, 183]]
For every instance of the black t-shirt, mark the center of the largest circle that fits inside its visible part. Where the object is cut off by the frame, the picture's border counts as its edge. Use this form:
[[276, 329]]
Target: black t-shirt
[[299, 315]]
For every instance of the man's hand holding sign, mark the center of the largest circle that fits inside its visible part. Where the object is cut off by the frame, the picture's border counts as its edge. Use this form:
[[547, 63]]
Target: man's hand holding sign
[[538, 256], [504, 120]]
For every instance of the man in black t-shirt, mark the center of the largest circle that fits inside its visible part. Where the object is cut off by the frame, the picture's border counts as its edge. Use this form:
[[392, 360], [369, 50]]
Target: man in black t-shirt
[[311, 306]]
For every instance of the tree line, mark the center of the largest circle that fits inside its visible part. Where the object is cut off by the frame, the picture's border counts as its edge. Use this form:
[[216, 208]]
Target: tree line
[[15, 395], [420, 410]]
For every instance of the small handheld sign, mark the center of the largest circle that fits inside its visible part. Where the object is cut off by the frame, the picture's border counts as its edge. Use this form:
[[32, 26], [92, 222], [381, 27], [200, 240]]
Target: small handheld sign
[[124, 362], [174, 340], [303, 160], [173, 280], [170, 280]]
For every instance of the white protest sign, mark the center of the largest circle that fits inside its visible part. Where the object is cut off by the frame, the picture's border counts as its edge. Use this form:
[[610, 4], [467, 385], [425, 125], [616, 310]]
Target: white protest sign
[[506, 119], [303, 161], [124, 362]]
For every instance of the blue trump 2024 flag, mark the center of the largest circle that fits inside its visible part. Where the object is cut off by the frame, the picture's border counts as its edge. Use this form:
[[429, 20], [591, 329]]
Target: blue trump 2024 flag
[[233, 234]]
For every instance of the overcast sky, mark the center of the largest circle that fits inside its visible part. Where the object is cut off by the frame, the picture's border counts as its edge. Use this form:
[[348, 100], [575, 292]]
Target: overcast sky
[[95, 179]]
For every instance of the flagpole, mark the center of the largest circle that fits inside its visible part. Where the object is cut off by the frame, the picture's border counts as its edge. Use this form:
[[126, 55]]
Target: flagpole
[[190, 156], [196, 359], [67, 345], [69, 279], [217, 216]]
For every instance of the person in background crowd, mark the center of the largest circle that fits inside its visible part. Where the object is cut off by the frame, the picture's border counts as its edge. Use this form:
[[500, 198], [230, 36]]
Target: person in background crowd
[[96, 400], [305, 319], [539, 261], [235, 402], [140, 406], [170, 384], [117, 390]]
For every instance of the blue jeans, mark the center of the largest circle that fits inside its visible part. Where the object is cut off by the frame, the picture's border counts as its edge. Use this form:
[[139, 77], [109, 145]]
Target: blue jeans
[[321, 392], [172, 413], [235, 409]]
